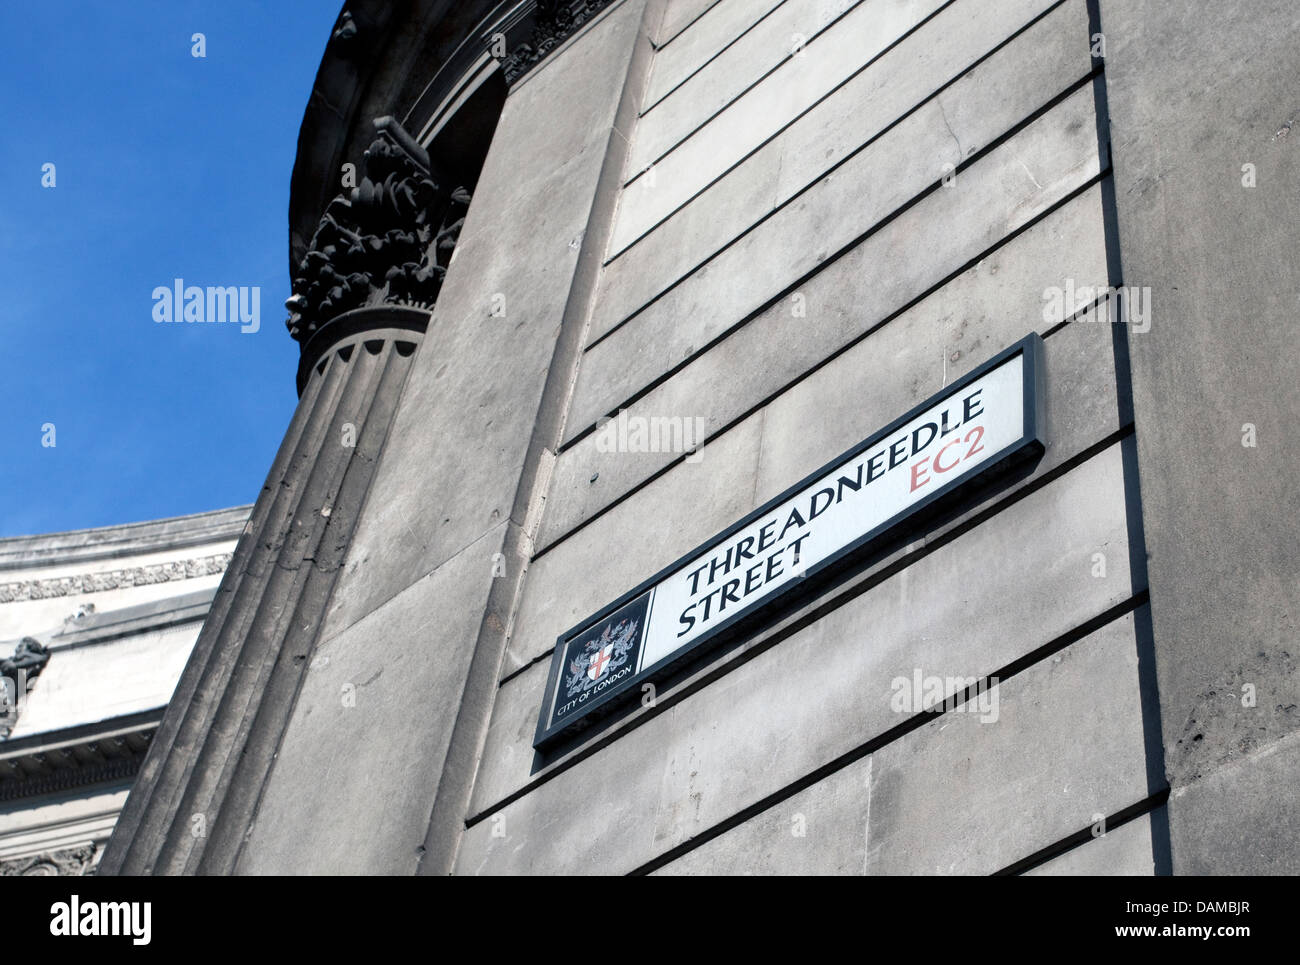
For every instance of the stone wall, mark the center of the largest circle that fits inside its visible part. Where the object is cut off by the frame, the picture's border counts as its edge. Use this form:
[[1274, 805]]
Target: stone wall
[[828, 212], [1203, 108], [115, 612], [786, 224]]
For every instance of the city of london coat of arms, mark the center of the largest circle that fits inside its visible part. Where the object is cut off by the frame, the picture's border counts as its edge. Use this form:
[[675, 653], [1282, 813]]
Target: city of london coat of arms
[[601, 656]]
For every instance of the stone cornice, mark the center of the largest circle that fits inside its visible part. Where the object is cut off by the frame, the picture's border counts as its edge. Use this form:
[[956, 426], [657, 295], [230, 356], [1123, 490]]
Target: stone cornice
[[122, 541], [88, 626], [65, 779], [85, 755], [53, 587]]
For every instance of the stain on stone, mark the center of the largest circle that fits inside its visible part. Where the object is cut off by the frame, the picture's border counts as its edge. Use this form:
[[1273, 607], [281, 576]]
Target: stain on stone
[[1221, 728]]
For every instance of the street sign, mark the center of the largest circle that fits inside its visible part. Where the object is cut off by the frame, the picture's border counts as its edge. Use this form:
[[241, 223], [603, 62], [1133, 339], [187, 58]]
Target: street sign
[[978, 426]]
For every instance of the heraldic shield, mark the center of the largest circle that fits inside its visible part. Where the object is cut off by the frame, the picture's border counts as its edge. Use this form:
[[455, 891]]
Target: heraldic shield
[[602, 651]]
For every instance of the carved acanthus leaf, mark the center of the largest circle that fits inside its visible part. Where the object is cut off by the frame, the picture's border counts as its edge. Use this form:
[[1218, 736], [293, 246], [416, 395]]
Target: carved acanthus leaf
[[388, 241]]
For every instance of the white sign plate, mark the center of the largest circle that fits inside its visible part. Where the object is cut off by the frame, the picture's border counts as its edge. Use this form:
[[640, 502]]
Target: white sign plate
[[979, 424]]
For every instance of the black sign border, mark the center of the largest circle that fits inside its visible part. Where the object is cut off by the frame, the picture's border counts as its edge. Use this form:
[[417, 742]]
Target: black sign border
[[1031, 347]]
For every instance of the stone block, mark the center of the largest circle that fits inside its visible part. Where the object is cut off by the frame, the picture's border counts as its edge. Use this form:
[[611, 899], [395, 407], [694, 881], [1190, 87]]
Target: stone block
[[978, 312], [371, 728], [725, 747], [900, 261], [1243, 818], [683, 167], [984, 100], [963, 795], [679, 15], [1125, 851], [727, 78], [720, 25], [1203, 123]]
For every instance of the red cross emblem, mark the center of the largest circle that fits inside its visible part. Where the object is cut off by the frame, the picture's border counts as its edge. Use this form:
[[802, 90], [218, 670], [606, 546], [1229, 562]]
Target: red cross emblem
[[599, 661]]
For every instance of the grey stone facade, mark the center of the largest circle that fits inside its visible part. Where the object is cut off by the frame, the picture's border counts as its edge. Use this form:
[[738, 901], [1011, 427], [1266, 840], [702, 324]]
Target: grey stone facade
[[95, 628], [787, 223]]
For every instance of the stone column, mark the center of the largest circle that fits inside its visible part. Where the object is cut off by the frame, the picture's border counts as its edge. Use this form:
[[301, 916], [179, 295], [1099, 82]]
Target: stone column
[[360, 308], [331, 716], [199, 785]]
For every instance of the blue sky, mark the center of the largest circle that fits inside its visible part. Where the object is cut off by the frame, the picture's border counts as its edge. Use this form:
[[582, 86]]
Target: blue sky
[[166, 166]]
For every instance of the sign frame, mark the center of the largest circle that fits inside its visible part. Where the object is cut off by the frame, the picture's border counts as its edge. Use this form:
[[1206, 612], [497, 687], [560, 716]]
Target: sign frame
[[1029, 445]]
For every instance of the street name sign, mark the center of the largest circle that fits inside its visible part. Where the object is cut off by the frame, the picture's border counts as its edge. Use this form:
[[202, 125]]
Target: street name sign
[[974, 428]]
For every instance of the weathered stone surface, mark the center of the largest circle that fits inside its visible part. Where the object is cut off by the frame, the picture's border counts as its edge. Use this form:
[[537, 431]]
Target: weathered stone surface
[[836, 407], [1196, 94], [725, 79], [1068, 746], [1256, 834], [953, 796], [832, 409], [1022, 178], [215, 745], [356, 744], [826, 60], [819, 831], [720, 25], [668, 518], [678, 16], [1081, 411], [452, 465], [996, 94], [726, 746], [977, 313], [1124, 851]]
